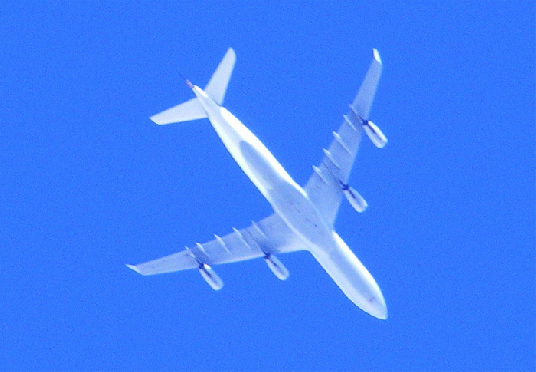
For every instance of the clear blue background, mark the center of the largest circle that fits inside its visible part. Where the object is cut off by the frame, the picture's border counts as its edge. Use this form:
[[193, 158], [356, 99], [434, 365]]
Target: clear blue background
[[88, 184]]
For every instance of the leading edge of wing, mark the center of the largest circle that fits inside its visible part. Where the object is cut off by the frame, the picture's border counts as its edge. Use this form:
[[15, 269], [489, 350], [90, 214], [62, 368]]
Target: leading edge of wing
[[270, 235]]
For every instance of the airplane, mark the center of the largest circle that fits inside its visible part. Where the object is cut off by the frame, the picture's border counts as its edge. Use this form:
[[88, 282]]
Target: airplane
[[303, 217]]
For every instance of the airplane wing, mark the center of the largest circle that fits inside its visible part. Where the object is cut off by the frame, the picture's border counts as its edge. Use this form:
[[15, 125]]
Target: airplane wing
[[270, 235], [324, 187]]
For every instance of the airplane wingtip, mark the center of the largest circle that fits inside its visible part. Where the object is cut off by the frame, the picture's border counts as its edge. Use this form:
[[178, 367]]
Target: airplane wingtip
[[133, 267], [154, 119], [376, 55]]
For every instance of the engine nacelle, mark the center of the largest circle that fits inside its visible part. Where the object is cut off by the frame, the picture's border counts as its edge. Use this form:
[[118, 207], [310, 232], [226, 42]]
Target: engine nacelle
[[210, 276], [374, 133], [355, 199], [276, 266]]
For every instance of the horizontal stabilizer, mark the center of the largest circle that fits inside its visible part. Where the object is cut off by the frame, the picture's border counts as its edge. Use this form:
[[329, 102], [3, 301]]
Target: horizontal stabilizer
[[217, 86], [189, 110]]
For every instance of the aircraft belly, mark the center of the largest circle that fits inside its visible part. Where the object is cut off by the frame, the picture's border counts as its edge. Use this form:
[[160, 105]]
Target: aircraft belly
[[282, 192], [286, 197]]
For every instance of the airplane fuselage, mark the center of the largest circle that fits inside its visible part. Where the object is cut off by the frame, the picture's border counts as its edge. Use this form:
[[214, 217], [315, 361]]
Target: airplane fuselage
[[293, 205], [287, 198]]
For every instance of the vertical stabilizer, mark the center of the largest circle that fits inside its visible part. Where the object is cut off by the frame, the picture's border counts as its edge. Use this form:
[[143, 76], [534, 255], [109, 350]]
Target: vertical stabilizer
[[217, 85]]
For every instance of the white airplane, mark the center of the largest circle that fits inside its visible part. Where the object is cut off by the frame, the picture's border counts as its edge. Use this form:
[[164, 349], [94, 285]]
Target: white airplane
[[304, 216]]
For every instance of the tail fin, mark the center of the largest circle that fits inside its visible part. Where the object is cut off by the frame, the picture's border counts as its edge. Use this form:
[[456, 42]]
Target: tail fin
[[215, 89]]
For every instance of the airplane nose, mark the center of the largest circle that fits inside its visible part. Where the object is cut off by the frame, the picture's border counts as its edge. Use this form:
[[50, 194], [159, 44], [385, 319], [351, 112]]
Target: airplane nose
[[382, 311], [377, 307]]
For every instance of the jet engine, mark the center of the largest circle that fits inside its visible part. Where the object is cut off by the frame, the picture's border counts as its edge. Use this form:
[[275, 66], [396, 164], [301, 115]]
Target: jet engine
[[354, 198], [276, 266], [210, 276], [374, 133]]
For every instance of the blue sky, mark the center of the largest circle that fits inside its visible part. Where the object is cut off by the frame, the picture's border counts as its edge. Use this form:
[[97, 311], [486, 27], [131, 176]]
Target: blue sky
[[88, 184]]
